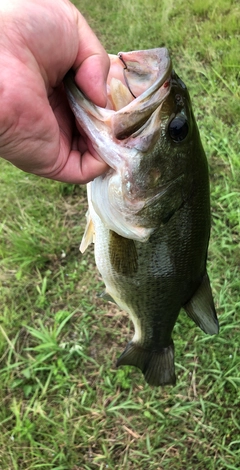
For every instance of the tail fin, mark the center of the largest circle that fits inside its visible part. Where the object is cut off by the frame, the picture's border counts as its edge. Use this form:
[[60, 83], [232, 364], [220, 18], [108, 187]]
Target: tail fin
[[157, 366]]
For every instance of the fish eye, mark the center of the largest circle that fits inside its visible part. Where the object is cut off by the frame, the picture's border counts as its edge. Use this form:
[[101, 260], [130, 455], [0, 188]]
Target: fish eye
[[178, 128]]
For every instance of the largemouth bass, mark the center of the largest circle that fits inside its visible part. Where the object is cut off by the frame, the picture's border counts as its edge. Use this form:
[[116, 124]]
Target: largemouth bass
[[149, 214]]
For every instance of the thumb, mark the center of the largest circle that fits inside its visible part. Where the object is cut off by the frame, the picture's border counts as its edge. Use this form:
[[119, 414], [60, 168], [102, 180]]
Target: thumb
[[91, 65]]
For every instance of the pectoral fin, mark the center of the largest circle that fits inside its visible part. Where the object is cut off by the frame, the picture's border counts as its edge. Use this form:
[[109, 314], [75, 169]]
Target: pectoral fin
[[89, 234], [201, 308], [123, 254], [106, 296], [157, 366]]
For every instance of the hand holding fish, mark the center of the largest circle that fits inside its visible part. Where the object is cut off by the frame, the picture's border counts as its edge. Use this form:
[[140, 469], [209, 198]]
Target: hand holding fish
[[40, 41]]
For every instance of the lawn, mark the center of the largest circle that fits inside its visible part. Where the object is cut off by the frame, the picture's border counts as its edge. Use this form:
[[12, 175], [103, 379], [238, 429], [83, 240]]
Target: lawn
[[64, 405]]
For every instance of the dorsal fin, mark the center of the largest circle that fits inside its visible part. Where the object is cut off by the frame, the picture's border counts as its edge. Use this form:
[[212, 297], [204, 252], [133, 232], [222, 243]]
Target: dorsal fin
[[201, 308]]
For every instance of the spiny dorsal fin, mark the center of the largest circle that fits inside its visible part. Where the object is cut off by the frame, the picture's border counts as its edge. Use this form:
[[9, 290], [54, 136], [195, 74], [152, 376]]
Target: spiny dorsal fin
[[157, 366], [201, 308], [89, 234]]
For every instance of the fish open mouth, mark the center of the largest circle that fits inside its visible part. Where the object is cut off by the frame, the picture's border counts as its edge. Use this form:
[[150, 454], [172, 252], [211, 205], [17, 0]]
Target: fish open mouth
[[138, 83], [137, 75]]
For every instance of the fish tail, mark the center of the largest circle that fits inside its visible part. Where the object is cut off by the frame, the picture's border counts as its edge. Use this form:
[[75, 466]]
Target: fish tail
[[157, 366]]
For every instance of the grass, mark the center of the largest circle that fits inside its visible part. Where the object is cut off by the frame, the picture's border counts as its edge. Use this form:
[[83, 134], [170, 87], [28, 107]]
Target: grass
[[64, 406]]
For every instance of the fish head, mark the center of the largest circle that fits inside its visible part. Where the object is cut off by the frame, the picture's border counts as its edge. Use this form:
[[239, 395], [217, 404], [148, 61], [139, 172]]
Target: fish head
[[148, 137]]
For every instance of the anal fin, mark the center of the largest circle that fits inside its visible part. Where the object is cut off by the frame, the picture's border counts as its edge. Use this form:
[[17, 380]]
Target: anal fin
[[201, 308], [157, 366]]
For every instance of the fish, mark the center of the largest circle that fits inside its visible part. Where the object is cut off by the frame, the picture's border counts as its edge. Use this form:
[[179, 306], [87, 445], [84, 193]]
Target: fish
[[149, 213]]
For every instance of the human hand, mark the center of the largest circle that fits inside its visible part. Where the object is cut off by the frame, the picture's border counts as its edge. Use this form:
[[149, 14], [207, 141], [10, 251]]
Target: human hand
[[40, 40]]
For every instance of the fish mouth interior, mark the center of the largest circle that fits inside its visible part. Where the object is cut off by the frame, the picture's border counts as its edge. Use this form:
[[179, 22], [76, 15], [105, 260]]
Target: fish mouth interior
[[136, 73]]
